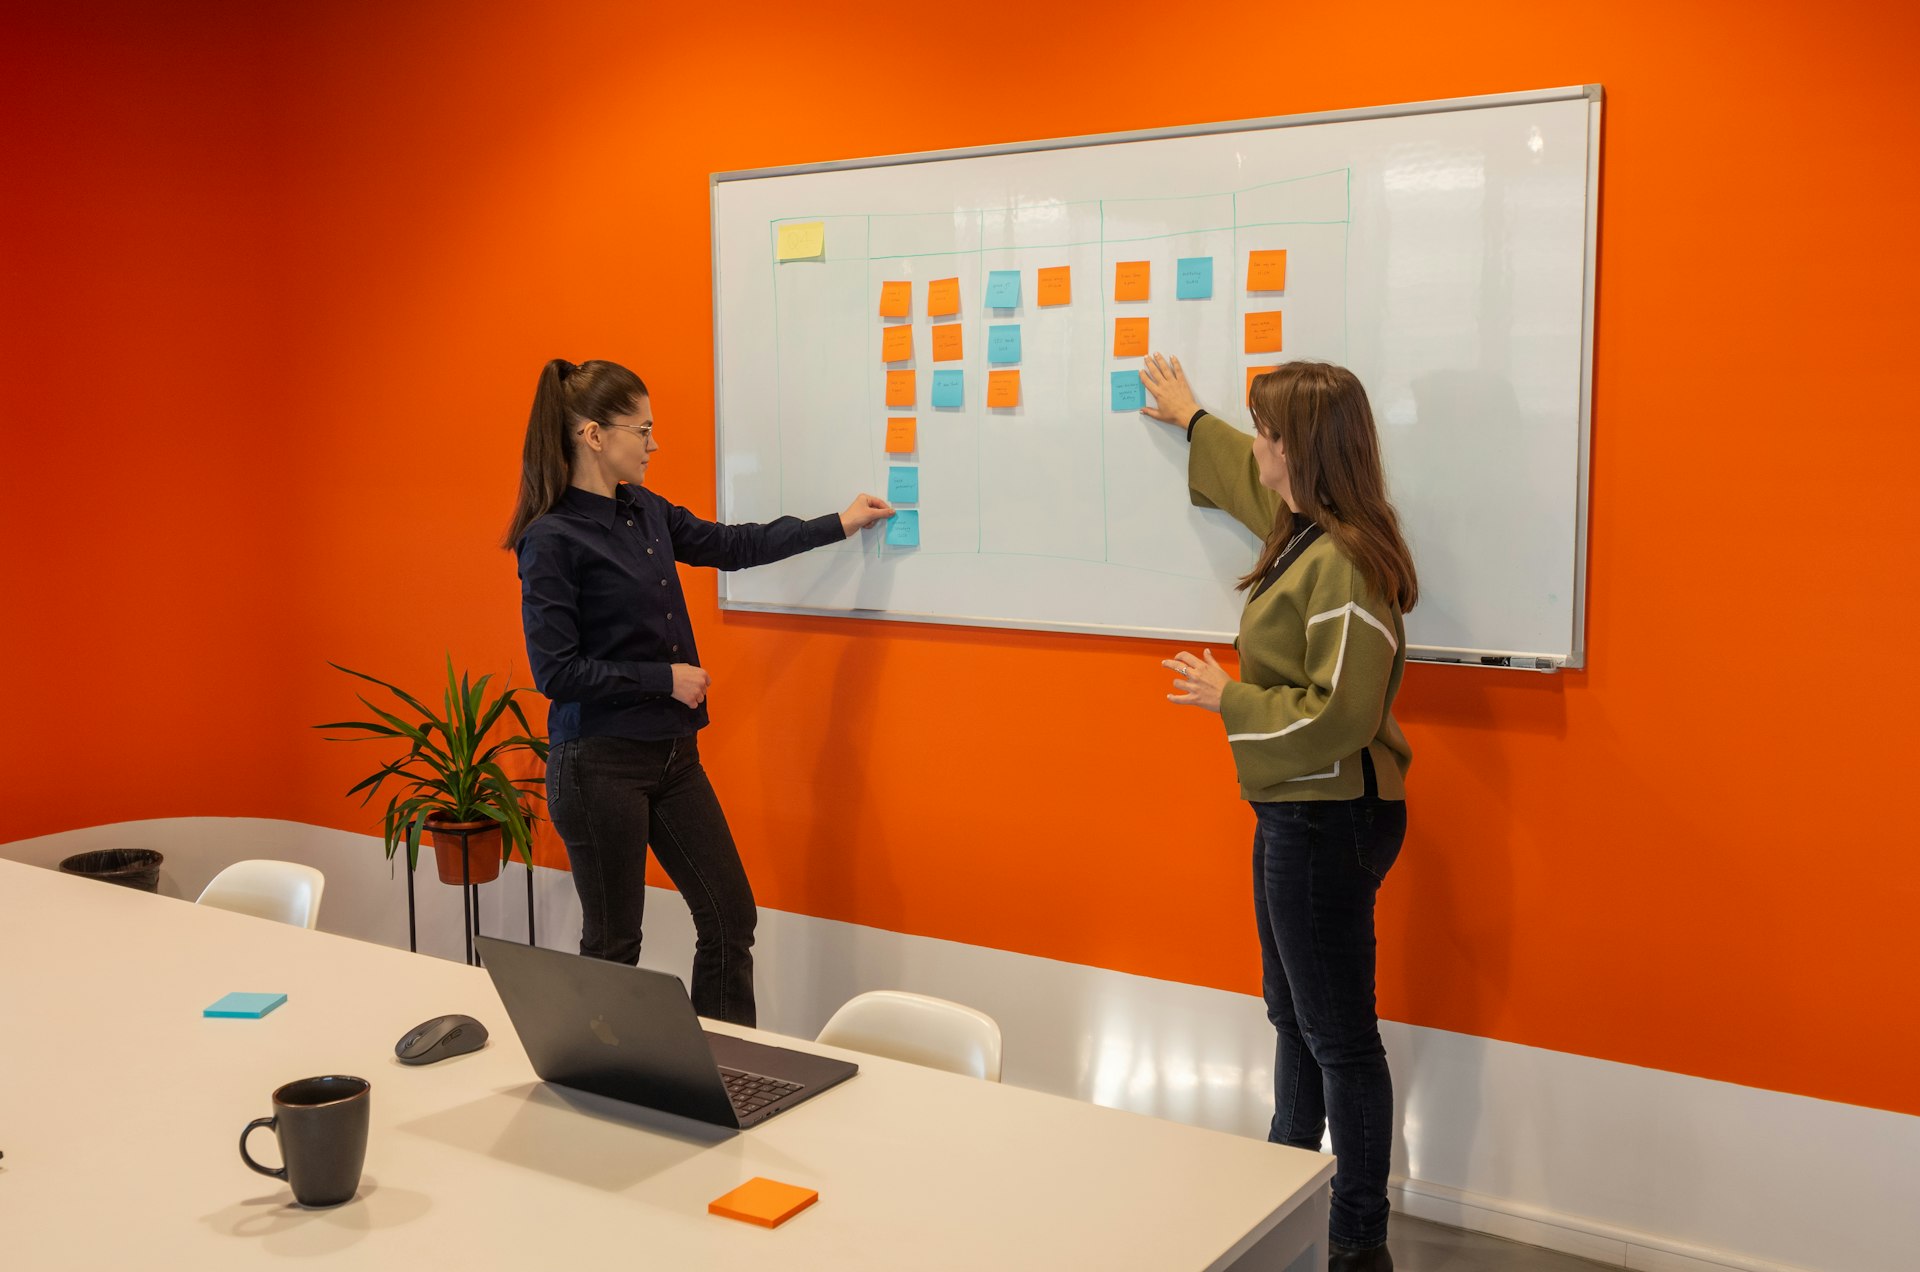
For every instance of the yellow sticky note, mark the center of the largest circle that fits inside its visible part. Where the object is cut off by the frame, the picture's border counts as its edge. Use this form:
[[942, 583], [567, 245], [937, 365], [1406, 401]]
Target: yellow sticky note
[[766, 1202], [1130, 280], [946, 342], [943, 297], [1266, 271], [899, 388], [900, 437], [1263, 332], [1129, 337], [1254, 373], [806, 241], [1056, 285], [1003, 388], [896, 344], [896, 300]]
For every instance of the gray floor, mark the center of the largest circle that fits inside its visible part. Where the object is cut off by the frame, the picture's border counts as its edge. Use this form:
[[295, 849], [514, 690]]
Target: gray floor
[[1419, 1246]]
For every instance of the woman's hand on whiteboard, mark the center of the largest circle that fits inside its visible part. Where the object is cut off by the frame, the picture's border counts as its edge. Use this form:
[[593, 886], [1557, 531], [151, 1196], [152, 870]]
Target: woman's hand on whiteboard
[[863, 512], [1198, 681], [1172, 395], [690, 683]]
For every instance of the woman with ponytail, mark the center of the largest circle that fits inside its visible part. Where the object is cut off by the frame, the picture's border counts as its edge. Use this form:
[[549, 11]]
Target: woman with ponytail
[[610, 643], [1322, 647]]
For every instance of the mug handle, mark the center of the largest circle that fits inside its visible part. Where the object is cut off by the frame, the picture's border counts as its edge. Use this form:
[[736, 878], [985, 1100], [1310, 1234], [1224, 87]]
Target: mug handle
[[271, 1123]]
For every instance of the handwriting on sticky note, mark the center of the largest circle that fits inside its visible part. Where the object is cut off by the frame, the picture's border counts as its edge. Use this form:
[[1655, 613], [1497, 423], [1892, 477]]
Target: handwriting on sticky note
[[903, 485], [1128, 393], [1003, 288], [806, 241], [946, 342], [1193, 278], [1263, 331], [896, 300], [899, 388], [1267, 271], [1003, 388], [896, 343], [900, 436], [1003, 343], [949, 388], [1056, 285], [1254, 373], [1130, 280], [903, 528], [943, 297], [1129, 337]]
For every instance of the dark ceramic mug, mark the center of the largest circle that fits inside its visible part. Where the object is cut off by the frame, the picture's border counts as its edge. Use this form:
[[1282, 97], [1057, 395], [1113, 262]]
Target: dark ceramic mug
[[321, 1124]]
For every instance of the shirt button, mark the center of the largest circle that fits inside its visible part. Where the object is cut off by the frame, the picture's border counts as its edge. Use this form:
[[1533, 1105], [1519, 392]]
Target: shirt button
[[669, 618], [663, 582], [629, 522], [676, 649], [649, 551]]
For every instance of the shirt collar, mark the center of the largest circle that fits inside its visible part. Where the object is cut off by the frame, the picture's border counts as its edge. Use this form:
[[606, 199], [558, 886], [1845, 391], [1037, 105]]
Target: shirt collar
[[600, 508]]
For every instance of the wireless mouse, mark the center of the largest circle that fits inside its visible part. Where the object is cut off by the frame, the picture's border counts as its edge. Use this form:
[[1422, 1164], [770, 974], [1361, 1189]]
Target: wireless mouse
[[440, 1038]]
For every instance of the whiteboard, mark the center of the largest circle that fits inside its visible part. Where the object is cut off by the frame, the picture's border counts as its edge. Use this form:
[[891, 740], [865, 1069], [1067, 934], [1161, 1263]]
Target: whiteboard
[[1442, 250]]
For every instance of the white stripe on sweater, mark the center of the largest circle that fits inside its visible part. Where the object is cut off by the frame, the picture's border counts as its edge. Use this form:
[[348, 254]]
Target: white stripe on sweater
[[1345, 614]]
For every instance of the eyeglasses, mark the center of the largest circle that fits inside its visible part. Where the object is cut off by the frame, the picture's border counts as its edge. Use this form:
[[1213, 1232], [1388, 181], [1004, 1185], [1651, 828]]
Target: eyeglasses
[[644, 430]]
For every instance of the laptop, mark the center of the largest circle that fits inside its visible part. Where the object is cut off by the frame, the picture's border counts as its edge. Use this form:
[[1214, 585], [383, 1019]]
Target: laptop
[[631, 1034]]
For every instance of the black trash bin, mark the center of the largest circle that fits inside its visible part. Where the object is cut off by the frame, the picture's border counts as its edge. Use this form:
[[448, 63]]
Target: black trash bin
[[137, 868]]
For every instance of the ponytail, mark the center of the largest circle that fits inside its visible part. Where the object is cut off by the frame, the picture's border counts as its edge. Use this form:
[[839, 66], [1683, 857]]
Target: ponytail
[[565, 396]]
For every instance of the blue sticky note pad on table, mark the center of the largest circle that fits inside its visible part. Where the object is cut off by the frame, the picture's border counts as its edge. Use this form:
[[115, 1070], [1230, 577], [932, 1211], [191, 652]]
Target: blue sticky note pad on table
[[948, 388], [1128, 393], [246, 1006], [1194, 278], [903, 530], [903, 485], [1003, 343], [1003, 288]]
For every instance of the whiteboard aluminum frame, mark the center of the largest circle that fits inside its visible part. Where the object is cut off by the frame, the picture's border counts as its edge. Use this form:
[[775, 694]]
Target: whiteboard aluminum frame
[[1504, 658]]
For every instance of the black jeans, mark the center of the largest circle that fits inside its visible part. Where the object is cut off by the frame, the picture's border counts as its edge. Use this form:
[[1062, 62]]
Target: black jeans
[[610, 798], [1317, 866]]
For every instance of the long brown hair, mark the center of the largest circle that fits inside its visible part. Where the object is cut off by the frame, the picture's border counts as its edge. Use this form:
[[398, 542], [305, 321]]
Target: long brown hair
[[566, 397], [1319, 414]]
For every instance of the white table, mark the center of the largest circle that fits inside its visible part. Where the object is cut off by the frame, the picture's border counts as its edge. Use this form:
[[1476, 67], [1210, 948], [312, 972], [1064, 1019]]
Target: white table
[[120, 1108]]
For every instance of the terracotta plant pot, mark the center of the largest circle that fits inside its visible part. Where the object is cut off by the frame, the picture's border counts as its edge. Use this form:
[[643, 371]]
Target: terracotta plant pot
[[482, 844]]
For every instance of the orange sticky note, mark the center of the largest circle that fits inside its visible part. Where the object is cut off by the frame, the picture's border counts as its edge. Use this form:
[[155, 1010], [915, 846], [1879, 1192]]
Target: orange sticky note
[[1263, 331], [1003, 388], [1267, 271], [899, 388], [943, 297], [1130, 280], [1254, 373], [900, 437], [1129, 337], [896, 344], [1056, 285], [896, 300], [766, 1202], [946, 342]]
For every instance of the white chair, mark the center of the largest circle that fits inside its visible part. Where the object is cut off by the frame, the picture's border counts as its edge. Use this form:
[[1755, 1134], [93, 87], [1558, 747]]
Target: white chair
[[920, 1030], [283, 891]]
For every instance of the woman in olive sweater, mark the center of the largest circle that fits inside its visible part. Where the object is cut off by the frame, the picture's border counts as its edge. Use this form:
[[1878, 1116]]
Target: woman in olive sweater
[[1322, 647]]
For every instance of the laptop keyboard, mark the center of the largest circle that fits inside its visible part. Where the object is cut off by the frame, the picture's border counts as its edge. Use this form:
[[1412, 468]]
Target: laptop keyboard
[[751, 1092]]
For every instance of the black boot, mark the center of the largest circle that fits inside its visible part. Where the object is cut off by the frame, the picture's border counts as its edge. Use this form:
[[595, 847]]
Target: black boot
[[1353, 1259]]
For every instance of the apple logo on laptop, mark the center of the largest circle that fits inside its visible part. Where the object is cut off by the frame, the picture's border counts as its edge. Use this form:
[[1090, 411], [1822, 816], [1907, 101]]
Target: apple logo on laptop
[[603, 1031]]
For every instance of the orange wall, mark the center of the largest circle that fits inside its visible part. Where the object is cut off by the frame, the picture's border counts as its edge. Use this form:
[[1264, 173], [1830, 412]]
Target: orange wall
[[288, 300]]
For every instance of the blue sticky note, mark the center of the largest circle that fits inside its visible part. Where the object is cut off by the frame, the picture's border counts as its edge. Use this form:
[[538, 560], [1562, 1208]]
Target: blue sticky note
[[1194, 278], [1003, 343], [948, 388], [1128, 393], [903, 485], [903, 529], [249, 1006], [1003, 288]]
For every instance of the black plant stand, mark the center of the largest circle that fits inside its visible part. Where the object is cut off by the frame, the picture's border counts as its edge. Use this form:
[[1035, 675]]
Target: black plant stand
[[469, 900]]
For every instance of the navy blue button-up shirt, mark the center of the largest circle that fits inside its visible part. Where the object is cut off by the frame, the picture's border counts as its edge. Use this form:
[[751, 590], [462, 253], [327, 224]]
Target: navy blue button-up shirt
[[604, 614]]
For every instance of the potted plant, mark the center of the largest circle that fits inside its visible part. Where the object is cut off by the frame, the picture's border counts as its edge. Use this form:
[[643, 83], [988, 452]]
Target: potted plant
[[453, 787]]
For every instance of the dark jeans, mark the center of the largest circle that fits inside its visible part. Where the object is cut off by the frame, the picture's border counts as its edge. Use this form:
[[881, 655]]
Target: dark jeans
[[610, 799], [1317, 865]]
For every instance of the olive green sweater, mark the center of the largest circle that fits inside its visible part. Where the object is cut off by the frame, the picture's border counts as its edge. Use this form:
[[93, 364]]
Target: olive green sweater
[[1321, 654]]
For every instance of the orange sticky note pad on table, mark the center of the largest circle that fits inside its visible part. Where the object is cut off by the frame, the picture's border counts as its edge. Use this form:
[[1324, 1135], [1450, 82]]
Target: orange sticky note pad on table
[[1056, 285], [899, 388], [900, 437], [1267, 271], [1003, 388], [1129, 337], [943, 297], [896, 344], [1130, 280], [946, 342], [1254, 373], [766, 1202], [1263, 331], [896, 300]]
